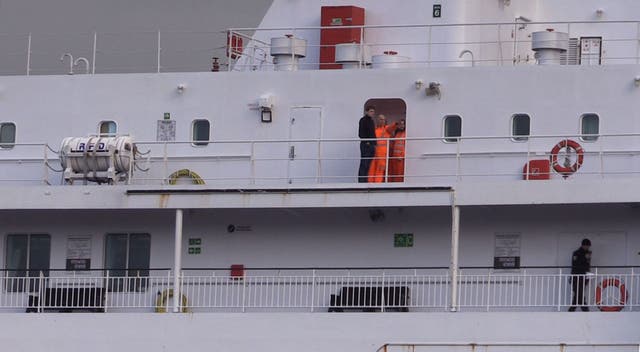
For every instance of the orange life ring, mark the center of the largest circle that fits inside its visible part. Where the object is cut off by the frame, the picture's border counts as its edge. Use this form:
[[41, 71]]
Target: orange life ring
[[623, 295], [567, 170]]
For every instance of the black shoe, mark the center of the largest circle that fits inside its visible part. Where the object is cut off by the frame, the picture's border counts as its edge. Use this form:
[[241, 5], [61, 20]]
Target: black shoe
[[585, 309], [572, 309]]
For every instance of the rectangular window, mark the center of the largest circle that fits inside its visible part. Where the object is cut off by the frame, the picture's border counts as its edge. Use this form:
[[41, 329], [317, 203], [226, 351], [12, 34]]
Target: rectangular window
[[127, 258], [7, 135], [452, 128], [520, 127], [27, 257], [200, 132], [590, 127]]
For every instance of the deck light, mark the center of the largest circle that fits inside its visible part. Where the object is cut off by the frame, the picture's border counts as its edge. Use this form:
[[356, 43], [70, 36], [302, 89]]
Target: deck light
[[637, 80]]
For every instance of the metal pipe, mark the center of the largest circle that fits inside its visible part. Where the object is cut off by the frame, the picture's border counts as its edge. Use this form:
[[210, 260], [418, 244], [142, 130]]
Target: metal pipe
[[70, 61], [29, 55], [158, 53], [455, 239], [177, 262], [93, 53], [85, 61]]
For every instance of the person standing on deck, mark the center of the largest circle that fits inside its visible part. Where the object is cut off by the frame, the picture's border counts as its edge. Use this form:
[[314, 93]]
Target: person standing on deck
[[366, 130], [396, 153], [580, 266], [378, 169]]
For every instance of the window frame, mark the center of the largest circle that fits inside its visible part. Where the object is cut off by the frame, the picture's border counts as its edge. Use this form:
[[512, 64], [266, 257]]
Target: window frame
[[27, 285], [590, 138], [519, 138], [446, 139], [128, 282], [6, 145], [200, 143], [107, 134]]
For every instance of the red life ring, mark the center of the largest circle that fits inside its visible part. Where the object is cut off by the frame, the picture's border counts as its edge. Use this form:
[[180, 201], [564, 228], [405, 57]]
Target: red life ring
[[569, 144], [623, 295]]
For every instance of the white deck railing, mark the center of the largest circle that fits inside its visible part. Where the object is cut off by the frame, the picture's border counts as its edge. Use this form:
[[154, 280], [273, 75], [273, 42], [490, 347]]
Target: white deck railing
[[492, 44], [326, 290], [509, 347], [268, 163]]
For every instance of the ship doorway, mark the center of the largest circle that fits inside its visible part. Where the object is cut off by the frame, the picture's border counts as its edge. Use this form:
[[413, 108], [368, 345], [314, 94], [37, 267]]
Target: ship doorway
[[394, 109], [305, 131]]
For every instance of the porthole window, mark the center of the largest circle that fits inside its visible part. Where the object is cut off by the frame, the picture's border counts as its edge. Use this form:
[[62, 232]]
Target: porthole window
[[200, 132], [590, 127], [7, 135], [108, 128], [520, 127], [452, 128]]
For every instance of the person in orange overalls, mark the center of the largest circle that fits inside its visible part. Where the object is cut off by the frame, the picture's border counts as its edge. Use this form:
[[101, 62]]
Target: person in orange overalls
[[396, 153], [378, 168]]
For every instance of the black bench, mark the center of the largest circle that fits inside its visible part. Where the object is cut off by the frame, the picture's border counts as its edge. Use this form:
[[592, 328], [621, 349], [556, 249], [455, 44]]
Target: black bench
[[68, 299], [370, 299]]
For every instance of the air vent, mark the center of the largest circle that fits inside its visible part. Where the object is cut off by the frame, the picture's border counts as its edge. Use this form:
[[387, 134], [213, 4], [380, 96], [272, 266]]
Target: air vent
[[572, 55]]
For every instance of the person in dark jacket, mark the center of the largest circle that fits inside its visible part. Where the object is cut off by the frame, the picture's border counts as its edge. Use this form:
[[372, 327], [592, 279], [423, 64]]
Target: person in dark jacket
[[580, 266], [366, 130]]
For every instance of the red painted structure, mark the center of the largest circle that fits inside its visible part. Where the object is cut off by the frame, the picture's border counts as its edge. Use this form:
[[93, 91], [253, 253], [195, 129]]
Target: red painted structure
[[335, 16]]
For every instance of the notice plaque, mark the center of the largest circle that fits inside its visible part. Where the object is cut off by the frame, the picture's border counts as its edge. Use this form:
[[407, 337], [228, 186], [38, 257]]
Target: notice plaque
[[507, 251], [437, 11], [78, 253], [166, 131]]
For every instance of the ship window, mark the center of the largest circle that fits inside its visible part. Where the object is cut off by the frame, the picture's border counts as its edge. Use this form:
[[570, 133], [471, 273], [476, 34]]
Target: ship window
[[590, 127], [200, 132], [452, 128], [520, 127], [27, 256], [7, 135], [127, 259], [108, 128]]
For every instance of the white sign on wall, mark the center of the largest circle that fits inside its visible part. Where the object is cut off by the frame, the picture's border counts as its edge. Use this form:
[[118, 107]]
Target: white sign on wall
[[78, 253], [507, 251]]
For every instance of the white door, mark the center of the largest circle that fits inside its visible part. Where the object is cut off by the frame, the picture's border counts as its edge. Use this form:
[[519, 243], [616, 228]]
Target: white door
[[305, 123]]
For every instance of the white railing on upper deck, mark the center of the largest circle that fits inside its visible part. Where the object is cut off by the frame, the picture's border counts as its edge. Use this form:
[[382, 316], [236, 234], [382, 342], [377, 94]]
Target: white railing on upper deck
[[270, 163], [508, 347], [427, 45], [495, 44], [321, 290]]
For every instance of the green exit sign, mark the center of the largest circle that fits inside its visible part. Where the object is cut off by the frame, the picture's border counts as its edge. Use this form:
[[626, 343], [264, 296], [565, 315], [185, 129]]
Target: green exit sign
[[195, 241], [403, 240], [437, 11], [167, 116]]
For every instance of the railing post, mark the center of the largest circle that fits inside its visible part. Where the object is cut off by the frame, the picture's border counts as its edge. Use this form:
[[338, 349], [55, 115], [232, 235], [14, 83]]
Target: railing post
[[106, 292], [40, 291], [313, 289], [458, 141], [253, 163], [93, 53], [386, 164], [455, 237], [361, 58], [177, 263], [45, 171], [158, 52], [631, 285], [165, 161], [229, 48], [29, 55], [382, 298], [488, 290], [500, 53], [560, 289], [601, 157], [319, 173]]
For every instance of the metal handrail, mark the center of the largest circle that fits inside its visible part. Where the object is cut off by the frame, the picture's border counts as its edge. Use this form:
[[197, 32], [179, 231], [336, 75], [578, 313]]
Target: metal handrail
[[474, 345]]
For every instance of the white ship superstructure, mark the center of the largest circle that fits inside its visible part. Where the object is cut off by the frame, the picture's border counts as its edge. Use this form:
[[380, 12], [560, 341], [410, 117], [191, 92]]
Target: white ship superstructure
[[222, 210]]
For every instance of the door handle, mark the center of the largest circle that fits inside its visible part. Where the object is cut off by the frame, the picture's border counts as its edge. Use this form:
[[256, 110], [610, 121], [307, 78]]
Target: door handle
[[292, 152]]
